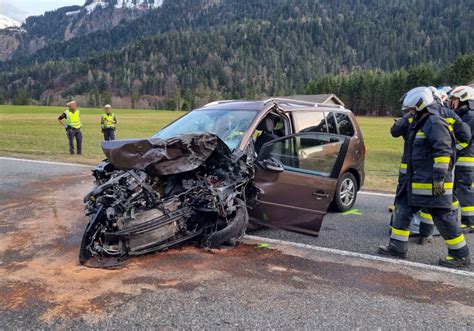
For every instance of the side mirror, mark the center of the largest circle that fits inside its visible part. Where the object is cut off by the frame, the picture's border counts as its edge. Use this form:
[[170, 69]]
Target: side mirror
[[271, 164]]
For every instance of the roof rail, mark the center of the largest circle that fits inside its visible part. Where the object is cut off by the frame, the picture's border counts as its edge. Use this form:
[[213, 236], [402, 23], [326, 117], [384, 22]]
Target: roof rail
[[279, 101], [218, 102]]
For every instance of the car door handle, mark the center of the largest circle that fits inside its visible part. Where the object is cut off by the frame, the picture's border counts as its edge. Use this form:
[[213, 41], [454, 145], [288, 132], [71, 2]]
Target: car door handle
[[320, 195]]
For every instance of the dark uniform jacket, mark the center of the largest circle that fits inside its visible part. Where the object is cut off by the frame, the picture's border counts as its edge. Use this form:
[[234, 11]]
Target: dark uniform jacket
[[461, 130], [467, 116], [431, 153]]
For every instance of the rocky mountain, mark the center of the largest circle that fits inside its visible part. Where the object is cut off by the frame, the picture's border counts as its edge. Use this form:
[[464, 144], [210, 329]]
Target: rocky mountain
[[67, 23], [10, 36]]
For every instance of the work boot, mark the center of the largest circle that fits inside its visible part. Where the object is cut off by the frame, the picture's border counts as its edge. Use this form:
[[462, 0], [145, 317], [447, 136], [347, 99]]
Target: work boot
[[455, 262], [387, 251], [422, 240], [467, 229]]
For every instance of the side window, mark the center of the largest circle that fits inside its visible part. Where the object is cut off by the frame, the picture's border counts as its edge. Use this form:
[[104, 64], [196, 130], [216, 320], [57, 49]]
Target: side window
[[309, 121], [331, 122], [309, 153], [344, 124]]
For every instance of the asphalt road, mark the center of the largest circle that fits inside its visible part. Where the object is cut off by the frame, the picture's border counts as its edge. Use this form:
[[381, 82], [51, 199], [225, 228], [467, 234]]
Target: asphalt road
[[364, 233], [286, 287]]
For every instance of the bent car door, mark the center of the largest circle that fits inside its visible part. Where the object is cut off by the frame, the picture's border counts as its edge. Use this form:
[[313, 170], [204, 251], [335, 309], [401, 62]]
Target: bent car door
[[297, 177]]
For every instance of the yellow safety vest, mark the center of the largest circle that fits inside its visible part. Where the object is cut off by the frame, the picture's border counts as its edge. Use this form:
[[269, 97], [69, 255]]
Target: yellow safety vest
[[72, 119], [109, 121]]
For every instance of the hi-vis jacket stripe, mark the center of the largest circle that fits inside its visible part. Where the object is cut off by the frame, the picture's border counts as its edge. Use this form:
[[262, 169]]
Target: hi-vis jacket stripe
[[467, 210], [403, 168], [442, 162], [465, 161], [427, 188]]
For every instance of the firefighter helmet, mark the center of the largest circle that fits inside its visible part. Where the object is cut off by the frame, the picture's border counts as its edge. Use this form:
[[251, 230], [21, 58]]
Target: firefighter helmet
[[418, 98], [463, 93]]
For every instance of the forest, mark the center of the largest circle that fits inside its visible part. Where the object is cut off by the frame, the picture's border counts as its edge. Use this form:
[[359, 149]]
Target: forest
[[186, 53]]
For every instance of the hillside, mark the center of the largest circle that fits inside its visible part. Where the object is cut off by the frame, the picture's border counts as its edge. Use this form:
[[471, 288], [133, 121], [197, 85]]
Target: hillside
[[187, 52], [70, 22]]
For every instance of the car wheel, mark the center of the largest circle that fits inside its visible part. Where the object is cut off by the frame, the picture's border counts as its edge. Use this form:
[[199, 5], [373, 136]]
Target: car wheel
[[346, 193]]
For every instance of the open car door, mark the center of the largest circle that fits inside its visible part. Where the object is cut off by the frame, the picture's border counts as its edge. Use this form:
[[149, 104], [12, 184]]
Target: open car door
[[297, 176]]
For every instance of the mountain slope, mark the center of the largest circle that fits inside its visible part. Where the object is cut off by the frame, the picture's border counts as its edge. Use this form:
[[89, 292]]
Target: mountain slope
[[202, 49], [70, 22]]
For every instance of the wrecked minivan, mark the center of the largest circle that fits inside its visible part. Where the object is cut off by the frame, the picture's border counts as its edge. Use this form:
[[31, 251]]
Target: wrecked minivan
[[201, 179]]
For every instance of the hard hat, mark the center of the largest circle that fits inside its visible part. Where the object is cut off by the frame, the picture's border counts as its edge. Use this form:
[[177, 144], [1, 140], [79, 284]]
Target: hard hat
[[71, 103], [418, 98], [107, 106], [463, 93]]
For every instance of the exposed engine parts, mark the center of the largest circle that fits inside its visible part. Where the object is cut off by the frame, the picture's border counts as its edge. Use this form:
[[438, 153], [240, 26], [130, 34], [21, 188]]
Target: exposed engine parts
[[153, 194]]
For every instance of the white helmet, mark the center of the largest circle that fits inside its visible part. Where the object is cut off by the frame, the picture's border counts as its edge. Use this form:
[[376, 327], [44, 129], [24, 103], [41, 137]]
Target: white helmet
[[418, 98], [463, 93]]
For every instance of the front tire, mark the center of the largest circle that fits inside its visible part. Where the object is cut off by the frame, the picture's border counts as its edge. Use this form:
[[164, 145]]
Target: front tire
[[346, 193]]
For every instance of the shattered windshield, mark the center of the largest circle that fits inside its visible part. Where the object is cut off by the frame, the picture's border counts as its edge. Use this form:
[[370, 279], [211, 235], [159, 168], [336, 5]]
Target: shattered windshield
[[230, 125]]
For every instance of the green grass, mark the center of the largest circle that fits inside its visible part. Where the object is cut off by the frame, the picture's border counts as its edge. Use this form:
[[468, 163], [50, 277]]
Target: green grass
[[31, 131], [35, 131]]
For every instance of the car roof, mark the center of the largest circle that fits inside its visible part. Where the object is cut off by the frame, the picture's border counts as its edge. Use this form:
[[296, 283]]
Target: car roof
[[287, 105]]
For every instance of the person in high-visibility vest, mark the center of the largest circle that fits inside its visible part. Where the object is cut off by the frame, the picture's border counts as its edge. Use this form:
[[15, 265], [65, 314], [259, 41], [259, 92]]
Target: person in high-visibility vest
[[108, 123], [71, 121]]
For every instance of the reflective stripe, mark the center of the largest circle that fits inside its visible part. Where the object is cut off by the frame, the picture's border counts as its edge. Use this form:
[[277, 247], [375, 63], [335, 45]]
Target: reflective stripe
[[460, 145], [450, 128], [456, 243], [420, 135], [442, 159], [427, 188], [455, 205], [467, 211], [401, 235], [465, 161], [450, 120], [403, 168], [410, 120], [426, 218], [442, 162]]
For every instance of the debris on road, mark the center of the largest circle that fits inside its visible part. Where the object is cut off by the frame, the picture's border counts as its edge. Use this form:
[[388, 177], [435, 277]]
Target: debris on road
[[352, 212]]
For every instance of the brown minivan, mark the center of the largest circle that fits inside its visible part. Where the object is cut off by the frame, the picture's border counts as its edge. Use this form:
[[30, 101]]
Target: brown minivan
[[277, 162], [310, 157]]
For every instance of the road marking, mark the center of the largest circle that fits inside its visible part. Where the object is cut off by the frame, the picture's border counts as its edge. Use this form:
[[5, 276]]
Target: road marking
[[360, 255], [390, 195], [46, 162]]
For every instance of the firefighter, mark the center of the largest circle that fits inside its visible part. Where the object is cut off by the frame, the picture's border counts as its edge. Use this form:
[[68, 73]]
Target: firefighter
[[71, 121], [462, 101], [429, 183], [108, 123], [462, 133]]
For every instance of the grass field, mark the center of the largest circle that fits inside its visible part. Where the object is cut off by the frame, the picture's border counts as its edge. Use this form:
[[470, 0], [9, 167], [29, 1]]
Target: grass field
[[34, 132]]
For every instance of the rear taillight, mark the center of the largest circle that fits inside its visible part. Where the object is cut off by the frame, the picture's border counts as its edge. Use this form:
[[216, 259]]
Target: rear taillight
[[364, 151]]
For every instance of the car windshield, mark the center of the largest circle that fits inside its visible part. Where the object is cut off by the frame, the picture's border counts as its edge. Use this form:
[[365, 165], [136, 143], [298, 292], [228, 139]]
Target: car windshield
[[230, 124]]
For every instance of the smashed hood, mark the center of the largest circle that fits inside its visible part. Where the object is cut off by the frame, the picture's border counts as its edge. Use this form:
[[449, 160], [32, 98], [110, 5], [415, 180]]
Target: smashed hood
[[164, 156]]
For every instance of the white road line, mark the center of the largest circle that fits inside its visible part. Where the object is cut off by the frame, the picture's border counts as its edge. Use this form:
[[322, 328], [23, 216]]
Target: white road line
[[359, 255], [46, 162], [390, 195]]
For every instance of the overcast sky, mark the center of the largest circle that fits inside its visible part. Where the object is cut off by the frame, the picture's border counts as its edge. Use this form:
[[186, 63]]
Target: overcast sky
[[20, 9]]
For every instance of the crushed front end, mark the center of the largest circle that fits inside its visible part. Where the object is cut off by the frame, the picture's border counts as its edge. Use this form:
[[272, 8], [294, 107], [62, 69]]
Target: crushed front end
[[152, 194]]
